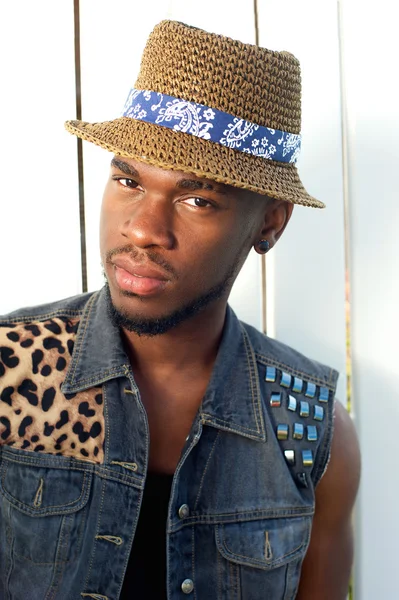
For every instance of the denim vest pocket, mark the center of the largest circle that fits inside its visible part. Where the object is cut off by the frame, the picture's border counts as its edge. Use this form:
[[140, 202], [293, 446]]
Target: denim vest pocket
[[266, 555], [41, 502]]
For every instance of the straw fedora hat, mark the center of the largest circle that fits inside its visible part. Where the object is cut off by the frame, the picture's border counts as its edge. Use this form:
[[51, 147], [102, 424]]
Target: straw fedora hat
[[215, 107]]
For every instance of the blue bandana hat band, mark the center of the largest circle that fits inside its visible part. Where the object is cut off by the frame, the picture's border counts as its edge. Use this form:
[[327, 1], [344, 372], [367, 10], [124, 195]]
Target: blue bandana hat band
[[212, 124]]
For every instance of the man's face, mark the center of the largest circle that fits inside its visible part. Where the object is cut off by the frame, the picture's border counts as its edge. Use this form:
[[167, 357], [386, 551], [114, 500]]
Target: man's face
[[170, 239]]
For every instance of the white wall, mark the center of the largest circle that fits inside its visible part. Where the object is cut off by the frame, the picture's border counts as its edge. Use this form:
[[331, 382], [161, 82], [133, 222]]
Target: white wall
[[39, 222], [371, 109]]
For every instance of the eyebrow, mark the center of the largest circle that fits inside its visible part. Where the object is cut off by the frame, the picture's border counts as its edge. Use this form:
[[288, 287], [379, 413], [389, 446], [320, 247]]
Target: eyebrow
[[195, 184], [124, 167], [185, 184]]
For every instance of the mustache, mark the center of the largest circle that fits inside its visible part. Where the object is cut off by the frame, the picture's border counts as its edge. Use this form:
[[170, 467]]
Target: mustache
[[141, 258]]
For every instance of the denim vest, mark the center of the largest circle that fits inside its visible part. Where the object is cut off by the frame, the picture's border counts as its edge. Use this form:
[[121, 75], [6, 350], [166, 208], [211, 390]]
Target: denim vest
[[74, 444]]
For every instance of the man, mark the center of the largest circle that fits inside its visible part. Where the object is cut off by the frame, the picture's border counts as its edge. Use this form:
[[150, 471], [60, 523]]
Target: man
[[152, 445]]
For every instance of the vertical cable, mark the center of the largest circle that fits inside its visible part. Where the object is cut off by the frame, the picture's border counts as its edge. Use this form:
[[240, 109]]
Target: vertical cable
[[256, 22], [76, 9], [263, 257], [345, 176]]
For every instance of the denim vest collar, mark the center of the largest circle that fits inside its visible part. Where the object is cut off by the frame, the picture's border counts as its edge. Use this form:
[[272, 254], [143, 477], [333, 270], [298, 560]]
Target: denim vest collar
[[232, 401]]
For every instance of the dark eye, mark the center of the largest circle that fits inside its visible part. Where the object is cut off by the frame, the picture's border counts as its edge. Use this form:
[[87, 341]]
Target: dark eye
[[197, 202], [128, 183]]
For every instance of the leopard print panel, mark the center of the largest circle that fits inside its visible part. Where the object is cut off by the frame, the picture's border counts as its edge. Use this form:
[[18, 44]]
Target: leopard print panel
[[34, 414]]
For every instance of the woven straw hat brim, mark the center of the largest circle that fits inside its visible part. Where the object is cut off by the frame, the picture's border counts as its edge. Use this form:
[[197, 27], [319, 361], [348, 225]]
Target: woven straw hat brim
[[179, 151]]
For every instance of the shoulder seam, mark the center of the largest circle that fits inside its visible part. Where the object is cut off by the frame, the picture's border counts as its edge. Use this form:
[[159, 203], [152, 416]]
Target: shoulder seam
[[39, 317]]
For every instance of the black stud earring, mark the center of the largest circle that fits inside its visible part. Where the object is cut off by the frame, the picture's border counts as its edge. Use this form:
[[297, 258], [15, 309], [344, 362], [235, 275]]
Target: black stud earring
[[263, 246]]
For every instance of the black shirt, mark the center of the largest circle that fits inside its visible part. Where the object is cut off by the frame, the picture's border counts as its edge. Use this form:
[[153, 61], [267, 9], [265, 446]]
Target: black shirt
[[145, 577]]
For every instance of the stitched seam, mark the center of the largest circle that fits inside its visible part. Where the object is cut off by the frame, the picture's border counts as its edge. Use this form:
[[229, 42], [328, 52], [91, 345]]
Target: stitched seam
[[45, 317], [254, 379], [49, 460], [36, 563], [218, 420], [219, 569], [256, 560], [93, 379], [59, 565], [122, 479], [106, 423], [238, 583], [95, 468], [250, 375], [81, 336], [97, 533], [212, 520], [205, 470], [324, 449], [193, 561], [48, 510]]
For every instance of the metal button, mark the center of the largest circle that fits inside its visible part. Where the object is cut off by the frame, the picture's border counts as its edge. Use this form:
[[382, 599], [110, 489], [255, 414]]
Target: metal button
[[187, 586], [285, 379], [298, 431], [184, 511], [318, 413], [275, 400], [290, 456], [310, 390], [323, 395], [304, 409], [307, 458], [298, 385], [291, 403], [282, 432], [312, 433], [270, 374]]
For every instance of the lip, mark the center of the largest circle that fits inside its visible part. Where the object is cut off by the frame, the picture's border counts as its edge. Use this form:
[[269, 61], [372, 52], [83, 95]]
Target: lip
[[137, 278], [138, 269]]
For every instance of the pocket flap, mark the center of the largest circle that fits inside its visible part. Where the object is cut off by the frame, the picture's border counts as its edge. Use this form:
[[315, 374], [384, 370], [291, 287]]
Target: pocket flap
[[40, 491], [264, 544]]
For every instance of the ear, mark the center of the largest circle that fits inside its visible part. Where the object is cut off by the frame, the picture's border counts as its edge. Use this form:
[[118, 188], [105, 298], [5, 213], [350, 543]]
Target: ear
[[276, 218]]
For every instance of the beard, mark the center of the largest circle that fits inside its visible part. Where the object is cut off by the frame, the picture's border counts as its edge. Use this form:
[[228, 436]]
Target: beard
[[144, 326]]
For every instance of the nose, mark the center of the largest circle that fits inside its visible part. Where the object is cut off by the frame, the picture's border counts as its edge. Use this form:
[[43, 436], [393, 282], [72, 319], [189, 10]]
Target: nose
[[150, 223]]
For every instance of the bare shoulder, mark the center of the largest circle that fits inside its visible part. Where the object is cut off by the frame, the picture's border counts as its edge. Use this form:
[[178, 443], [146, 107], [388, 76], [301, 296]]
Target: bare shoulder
[[339, 485], [327, 565]]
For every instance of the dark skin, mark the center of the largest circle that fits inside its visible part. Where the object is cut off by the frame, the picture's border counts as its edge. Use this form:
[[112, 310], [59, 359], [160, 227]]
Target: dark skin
[[201, 232]]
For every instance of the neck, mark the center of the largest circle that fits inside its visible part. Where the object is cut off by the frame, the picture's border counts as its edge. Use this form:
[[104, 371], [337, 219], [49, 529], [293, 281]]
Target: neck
[[193, 343]]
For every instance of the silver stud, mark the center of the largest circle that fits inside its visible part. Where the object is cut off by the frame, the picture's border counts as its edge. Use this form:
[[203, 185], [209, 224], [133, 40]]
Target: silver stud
[[323, 394], [304, 409], [297, 434], [275, 400], [312, 433], [285, 379], [270, 374], [298, 385], [282, 432], [318, 413], [307, 458], [290, 456], [184, 511], [310, 390], [187, 586], [291, 403]]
